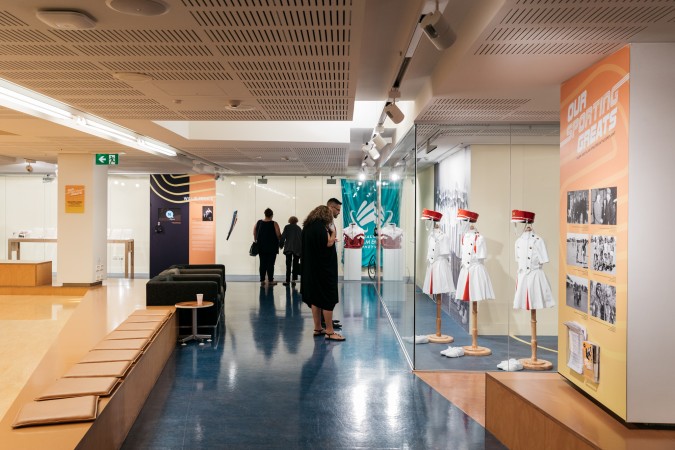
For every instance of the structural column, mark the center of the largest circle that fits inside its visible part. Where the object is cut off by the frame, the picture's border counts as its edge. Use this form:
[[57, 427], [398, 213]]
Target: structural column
[[82, 220]]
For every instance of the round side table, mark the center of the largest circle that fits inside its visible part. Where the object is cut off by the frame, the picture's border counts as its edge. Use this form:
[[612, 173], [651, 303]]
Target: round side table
[[194, 306]]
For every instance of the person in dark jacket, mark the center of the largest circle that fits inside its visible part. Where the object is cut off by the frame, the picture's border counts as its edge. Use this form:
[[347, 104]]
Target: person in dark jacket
[[291, 242], [319, 286], [266, 232]]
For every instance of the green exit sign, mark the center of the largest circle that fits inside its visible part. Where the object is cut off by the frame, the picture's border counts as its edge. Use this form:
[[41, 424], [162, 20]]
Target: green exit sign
[[104, 159]]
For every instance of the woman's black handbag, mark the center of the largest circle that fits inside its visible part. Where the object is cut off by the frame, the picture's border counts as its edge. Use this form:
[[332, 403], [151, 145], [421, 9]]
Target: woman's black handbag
[[253, 251]]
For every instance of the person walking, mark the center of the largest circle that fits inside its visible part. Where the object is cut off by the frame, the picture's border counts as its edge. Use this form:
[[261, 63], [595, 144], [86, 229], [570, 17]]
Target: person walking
[[319, 286], [266, 232], [291, 242]]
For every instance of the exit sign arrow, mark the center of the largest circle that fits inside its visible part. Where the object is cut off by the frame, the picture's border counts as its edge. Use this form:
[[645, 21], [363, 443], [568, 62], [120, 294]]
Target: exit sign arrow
[[105, 159]]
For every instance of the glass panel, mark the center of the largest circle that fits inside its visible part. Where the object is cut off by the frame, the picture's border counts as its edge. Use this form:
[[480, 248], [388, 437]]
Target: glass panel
[[489, 170]]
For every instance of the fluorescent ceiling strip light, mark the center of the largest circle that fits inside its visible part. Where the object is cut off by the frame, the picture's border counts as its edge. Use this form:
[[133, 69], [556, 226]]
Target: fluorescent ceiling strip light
[[25, 101], [29, 102], [115, 133], [157, 147]]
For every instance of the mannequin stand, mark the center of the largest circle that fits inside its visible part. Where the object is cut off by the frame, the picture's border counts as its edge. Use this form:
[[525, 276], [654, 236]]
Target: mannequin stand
[[474, 349], [439, 338], [533, 363]]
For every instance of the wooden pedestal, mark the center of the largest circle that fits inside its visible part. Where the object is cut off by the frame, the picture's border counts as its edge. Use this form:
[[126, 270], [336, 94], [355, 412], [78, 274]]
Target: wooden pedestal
[[25, 273]]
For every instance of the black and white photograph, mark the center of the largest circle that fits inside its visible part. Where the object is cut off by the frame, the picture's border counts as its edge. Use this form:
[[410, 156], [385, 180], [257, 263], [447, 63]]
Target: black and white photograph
[[577, 207], [603, 251], [577, 250], [603, 301], [576, 293], [207, 213], [603, 210]]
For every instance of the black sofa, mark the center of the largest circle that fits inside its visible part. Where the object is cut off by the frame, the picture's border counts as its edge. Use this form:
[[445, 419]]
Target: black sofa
[[181, 284]]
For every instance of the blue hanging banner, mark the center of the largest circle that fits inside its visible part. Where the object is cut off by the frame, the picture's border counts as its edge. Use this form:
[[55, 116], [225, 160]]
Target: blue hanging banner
[[359, 206]]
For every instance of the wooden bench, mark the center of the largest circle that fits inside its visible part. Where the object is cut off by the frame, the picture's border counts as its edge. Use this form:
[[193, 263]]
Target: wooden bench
[[25, 273]]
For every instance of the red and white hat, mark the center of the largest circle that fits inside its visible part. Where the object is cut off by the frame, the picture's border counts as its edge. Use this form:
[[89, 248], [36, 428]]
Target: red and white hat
[[522, 216], [465, 214], [428, 214]]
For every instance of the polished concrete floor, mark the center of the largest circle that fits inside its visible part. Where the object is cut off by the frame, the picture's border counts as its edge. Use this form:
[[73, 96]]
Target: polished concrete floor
[[265, 382]]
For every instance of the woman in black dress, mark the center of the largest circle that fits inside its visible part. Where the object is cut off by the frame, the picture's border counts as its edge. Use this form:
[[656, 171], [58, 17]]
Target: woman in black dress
[[319, 287], [266, 232]]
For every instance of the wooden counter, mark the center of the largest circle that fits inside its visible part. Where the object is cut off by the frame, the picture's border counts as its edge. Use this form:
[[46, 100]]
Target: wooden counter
[[25, 273]]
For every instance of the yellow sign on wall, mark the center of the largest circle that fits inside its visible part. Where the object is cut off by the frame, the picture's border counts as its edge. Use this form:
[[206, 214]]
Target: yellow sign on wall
[[75, 198]]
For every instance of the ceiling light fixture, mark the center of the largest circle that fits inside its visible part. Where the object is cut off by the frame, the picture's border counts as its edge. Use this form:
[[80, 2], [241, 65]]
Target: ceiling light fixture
[[362, 175], [373, 153], [237, 105], [146, 8], [157, 147], [438, 29], [391, 110], [66, 20], [19, 99]]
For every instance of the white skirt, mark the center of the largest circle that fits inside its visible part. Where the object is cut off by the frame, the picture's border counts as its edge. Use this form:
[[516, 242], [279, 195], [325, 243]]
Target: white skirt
[[473, 284], [438, 279], [533, 291]]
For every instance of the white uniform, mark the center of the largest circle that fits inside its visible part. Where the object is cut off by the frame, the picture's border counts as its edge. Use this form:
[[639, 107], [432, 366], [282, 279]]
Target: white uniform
[[532, 288], [473, 283], [438, 279]]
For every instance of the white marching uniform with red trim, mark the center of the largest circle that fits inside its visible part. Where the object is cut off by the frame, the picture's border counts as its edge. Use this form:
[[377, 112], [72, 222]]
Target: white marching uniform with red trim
[[438, 279], [473, 283], [532, 288]]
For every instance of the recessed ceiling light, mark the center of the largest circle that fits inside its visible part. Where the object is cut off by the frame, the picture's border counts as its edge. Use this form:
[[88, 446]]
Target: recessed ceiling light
[[237, 105], [138, 7], [132, 76]]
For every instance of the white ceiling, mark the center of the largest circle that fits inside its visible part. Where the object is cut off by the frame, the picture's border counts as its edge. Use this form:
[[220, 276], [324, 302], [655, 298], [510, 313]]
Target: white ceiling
[[310, 62]]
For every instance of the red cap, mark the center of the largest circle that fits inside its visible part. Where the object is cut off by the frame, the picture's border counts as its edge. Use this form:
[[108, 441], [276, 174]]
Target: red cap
[[522, 216], [465, 214], [428, 214]]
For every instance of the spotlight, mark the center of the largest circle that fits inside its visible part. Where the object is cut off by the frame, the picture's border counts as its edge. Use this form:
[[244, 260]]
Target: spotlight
[[374, 154], [394, 113], [362, 176], [370, 162], [379, 142], [29, 168], [438, 30]]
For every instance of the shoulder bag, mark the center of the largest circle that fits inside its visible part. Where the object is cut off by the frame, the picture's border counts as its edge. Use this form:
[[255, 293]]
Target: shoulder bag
[[253, 251]]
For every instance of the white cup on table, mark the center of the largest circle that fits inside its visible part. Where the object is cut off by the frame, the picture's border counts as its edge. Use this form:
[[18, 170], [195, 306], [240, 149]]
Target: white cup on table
[[200, 299]]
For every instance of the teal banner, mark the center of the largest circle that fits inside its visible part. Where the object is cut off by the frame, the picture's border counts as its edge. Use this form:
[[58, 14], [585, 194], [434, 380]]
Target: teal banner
[[359, 206]]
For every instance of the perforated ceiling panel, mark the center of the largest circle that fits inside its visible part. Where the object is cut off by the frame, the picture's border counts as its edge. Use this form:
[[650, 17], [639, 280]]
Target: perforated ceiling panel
[[454, 110], [572, 27]]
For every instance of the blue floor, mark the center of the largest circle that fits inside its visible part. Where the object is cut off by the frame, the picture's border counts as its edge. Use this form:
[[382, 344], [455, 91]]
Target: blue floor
[[266, 383]]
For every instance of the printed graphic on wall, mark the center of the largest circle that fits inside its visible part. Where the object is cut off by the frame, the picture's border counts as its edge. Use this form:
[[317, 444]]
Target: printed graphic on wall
[[75, 198], [452, 181], [359, 206], [183, 206], [594, 124]]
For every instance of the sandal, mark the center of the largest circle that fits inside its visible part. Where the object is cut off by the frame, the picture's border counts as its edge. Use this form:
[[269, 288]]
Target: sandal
[[334, 337], [319, 332]]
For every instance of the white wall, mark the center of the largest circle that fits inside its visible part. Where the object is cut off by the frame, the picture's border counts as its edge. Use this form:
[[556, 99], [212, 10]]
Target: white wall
[[286, 196], [650, 362], [504, 178]]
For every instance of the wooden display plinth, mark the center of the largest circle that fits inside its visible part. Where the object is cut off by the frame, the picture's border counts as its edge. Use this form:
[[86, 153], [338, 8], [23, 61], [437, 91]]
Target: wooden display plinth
[[470, 350], [541, 410], [536, 364], [25, 273], [442, 339]]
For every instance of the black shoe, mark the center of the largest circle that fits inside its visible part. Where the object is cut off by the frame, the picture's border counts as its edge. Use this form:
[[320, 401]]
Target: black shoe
[[285, 283], [337, 326]]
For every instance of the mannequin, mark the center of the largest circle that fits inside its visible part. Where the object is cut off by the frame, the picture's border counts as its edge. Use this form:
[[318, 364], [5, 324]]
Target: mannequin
[[438, 279], [353, 237], [473, 282], [532, 288]]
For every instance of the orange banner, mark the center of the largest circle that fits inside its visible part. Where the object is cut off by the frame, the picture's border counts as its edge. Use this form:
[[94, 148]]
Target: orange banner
[[202, 219], [594, 123]]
